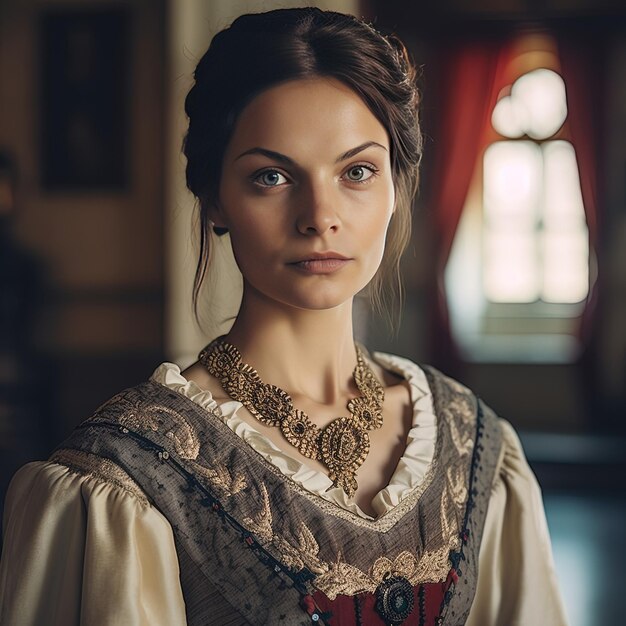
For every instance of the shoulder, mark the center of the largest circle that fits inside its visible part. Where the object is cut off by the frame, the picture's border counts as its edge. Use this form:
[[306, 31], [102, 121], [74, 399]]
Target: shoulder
[[513, 466], [65, 532], [194, 382], [70, 473], [72, 481], [98, 469], [117, 444], [163, 403], [409, 369], [450, 397], [73, 467], [85, 465]]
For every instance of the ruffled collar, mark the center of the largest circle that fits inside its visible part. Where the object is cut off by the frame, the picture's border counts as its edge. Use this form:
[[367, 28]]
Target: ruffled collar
[[411, 468]]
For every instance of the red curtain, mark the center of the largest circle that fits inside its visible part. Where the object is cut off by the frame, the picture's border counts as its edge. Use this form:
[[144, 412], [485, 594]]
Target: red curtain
[[472, 75], [583, 63]]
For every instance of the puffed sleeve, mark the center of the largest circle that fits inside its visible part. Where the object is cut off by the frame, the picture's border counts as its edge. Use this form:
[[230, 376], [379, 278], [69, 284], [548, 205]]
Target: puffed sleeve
[[81, 550], [517, 583]]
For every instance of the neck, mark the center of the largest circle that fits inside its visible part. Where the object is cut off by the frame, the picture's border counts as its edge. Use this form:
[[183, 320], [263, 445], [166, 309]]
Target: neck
[[304, 352]]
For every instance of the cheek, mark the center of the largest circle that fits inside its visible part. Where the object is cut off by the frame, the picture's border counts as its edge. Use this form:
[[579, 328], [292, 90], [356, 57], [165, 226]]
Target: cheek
[[376, 235], [376, 227], [245, 244], [255, 245]]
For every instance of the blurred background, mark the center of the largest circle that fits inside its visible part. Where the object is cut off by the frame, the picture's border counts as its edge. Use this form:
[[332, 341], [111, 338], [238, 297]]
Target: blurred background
[[515, 278]]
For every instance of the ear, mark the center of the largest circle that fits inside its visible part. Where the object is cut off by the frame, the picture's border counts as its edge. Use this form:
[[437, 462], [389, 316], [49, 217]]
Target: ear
[[216, 214]]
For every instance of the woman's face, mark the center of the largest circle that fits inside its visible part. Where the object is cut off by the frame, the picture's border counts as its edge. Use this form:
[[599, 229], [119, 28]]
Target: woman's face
[[307, 193]]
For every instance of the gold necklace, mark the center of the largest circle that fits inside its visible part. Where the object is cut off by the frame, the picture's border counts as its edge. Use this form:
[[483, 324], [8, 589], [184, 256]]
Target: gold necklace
[[341, 446]]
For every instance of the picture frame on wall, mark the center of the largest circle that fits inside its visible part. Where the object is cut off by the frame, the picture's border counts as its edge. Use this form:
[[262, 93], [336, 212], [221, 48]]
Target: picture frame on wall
[[84, 80]]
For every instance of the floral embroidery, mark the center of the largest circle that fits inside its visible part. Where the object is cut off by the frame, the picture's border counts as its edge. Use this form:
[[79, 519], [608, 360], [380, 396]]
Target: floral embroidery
[[304, 555], [457, 486], [343, 578], [220, 479], [463, 446], [261, 523], [404, 564], [154, 416]]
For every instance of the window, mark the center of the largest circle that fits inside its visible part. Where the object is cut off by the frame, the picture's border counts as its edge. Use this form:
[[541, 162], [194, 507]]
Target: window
[[518, 272]]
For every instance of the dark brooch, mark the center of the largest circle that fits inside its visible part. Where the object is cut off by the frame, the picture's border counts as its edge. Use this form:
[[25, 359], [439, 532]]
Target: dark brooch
[[394, 599]]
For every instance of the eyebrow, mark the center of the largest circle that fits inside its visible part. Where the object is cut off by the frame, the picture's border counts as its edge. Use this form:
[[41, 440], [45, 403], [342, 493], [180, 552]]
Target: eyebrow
[[283, 158]]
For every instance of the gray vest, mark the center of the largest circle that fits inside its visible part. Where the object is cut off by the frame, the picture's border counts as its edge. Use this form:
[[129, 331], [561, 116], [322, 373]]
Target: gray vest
[[254, 547]]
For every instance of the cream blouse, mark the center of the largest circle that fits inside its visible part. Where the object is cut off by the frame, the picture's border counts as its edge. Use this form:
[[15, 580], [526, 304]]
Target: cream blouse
[[78, 550]]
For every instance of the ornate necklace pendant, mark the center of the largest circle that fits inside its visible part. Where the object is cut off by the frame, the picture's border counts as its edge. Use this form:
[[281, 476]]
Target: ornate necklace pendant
[[342, 446], [343, 449]]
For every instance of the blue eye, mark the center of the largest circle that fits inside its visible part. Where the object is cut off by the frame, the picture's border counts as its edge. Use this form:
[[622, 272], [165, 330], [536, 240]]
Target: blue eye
[[270, 178], [359, 173]]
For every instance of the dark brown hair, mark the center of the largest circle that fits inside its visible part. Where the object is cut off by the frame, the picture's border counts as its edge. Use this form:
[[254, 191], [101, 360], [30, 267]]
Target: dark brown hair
[[261, 50]]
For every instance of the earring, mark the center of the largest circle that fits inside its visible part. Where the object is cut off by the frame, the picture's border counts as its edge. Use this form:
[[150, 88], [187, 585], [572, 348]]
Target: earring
[[220, 230]]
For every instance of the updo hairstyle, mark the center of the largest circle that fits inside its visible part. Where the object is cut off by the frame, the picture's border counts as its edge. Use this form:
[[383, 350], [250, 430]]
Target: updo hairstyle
[[262, 50]]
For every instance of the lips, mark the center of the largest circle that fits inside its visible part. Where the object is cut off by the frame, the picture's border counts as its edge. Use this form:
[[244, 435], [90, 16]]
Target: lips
[[321, 256], [321, 263]]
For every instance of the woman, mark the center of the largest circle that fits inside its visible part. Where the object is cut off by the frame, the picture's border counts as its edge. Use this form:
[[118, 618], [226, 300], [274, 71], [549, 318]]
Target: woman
[[232, 493]]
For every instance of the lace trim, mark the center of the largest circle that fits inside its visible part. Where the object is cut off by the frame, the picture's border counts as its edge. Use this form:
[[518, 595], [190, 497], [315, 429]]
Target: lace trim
[[140, 416], [345, 579], [93, 466], [381, 524], [340, 577], [412, 467]]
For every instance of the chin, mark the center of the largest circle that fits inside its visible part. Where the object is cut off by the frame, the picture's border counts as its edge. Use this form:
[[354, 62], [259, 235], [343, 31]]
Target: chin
[[320, 297], [318, 294], [317, 302]]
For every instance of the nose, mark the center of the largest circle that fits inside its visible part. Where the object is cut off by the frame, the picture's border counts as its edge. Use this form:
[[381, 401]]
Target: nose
[[318, 206]]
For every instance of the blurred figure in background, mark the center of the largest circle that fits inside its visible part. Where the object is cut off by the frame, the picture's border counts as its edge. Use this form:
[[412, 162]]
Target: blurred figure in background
[[20, 292], [19, 281]]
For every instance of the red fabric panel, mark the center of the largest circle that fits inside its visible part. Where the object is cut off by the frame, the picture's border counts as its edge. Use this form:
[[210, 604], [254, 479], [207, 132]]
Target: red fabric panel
[[343, 607]]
